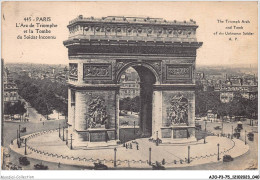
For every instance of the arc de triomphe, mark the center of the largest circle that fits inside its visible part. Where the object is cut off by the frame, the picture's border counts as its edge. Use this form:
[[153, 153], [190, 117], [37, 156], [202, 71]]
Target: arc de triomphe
[[162, 52]]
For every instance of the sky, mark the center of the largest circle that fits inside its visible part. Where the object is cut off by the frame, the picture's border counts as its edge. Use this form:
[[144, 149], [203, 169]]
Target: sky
[[216, 50]]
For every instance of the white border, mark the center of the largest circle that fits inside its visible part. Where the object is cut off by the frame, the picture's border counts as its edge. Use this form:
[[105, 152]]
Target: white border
[[129, 174]]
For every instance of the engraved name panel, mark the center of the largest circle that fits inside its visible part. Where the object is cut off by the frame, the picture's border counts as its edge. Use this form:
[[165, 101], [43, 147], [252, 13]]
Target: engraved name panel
[[166, 133], [178, 72], [97, 71]]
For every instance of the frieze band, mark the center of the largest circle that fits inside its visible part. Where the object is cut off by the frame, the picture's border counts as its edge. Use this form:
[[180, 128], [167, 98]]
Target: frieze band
[[133, 48]]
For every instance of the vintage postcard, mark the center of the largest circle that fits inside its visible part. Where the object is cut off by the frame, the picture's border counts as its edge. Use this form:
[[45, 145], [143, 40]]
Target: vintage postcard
[[129, 86]]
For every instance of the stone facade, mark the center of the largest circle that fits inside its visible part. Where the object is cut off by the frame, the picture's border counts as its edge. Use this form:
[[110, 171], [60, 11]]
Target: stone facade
[[129, 89], [162, 52]]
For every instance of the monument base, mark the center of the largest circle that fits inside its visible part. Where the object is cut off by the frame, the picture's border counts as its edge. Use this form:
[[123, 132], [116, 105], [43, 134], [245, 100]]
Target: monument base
[[179, 141], [177, 134], [94, 138], [95, 145]]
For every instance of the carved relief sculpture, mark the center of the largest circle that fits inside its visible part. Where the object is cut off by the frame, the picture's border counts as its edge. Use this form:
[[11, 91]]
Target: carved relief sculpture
[[156, 65], [119, 65], [177, 113], [97, 114], [73, 70]]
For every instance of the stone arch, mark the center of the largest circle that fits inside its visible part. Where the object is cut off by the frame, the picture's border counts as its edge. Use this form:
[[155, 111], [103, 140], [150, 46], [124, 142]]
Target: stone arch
[[148, 78], [140, 64]]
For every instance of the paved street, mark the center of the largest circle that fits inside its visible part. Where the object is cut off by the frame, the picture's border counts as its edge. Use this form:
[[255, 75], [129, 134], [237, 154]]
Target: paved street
[[52, 166], [129, 119], [10, 128], [53, 146], [35, 125], [10, 133], [247, 160], [250, 159], [35, 117]]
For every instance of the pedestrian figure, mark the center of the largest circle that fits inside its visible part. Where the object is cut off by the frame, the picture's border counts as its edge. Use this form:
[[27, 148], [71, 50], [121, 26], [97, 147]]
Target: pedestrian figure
[[137, 147], [12, 142], [59, 165], [126, 146], [163, 161]]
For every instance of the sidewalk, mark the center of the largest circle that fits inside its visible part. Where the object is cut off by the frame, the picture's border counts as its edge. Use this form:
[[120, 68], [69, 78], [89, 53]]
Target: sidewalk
[[48, 146]]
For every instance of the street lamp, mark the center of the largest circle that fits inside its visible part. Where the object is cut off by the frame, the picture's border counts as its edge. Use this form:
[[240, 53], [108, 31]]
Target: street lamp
[[115, 157], [245, 137], [134, 129], [70, 141], [157, 143], [59, 130], [63, 135], [218, 151], [19, 131], [17, 138], [232, 133], [150, 156], [222, 127], [25, 141], [188, 154], [67, 137]]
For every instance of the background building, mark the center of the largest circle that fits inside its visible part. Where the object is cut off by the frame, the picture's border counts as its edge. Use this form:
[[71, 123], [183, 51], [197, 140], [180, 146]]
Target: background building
[[10, 88], [129, 84]]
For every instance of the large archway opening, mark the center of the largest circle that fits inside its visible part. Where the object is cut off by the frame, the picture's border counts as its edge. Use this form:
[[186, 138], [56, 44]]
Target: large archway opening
[[137, 91]]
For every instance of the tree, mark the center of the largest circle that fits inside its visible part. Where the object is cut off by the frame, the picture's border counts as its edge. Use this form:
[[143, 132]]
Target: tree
[[136, 104], [14, 108], [222, 110], [7, 108], [251, 109], [130, 104], [206, 101], [20, 108]]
